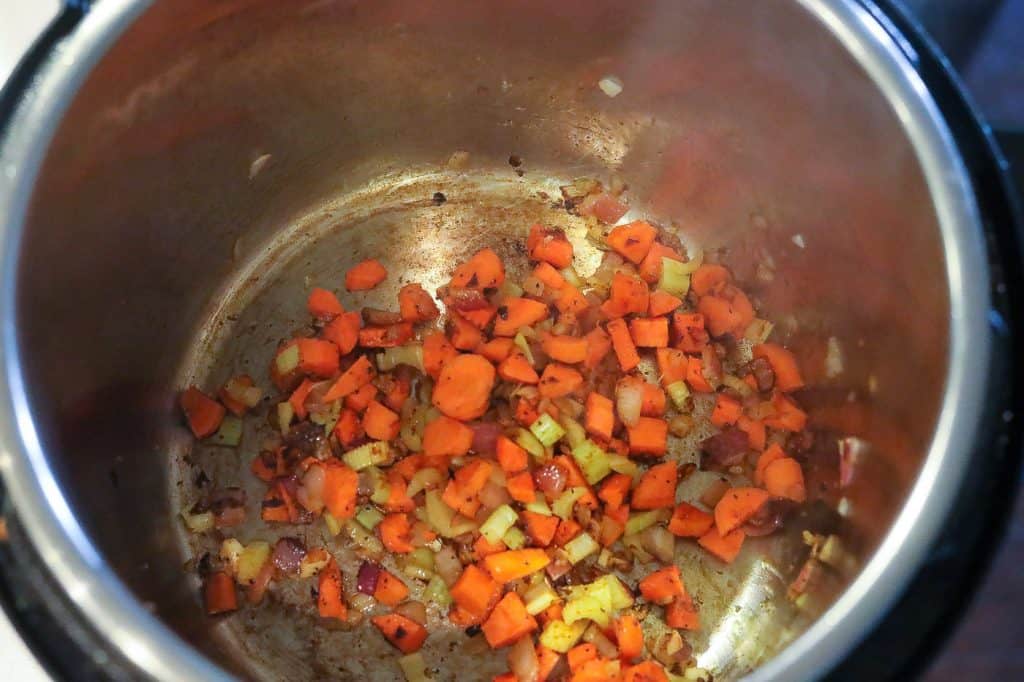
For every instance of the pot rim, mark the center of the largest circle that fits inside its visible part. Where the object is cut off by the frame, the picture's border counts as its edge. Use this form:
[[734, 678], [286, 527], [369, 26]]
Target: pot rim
[[144, 640]]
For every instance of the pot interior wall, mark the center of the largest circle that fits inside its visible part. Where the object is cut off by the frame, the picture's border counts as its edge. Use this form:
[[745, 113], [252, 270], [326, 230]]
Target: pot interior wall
[[745, 126]]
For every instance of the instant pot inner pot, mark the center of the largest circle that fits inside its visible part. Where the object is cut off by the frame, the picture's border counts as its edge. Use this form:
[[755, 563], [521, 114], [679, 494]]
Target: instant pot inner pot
[[158, 253]]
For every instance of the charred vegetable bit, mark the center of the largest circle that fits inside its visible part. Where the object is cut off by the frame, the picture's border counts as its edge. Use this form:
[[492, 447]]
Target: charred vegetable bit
[[512, 471]]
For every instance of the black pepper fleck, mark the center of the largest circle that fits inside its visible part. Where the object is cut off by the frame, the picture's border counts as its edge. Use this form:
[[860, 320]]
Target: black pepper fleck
[[439, 198]]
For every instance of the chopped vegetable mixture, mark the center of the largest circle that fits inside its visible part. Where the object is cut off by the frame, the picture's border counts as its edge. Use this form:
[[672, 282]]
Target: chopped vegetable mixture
[[511, 458]]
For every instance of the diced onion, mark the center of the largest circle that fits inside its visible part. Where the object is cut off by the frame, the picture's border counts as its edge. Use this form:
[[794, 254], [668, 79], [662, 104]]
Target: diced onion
[[629, 399]]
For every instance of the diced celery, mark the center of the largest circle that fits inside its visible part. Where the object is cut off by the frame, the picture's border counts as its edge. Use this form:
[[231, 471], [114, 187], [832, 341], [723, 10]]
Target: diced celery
[[424, 479], [547, 430], [410, 354], [333, 525], [593, 461], [604, 558], [443, 518], [436, 592], [230, 432], [675, 279], [696, 260], [370, 454], [563, 506], [539, 505], [363, 539], [369, 517], [510, 289], [561, 636], [679, 392], [642, 520], [230, 550], [524, 346], [414, 668], [529, 442], [514, 538], [251, 560], [572, 277], [411, 432], [621, 597], [422, 557], [285, 414], [574, 431], [415, 570], [249, 396], [498, 523], [597, 601], [622, 465], [538, 596], [198, 523], [288, 359], [380, 491], [580, 547]]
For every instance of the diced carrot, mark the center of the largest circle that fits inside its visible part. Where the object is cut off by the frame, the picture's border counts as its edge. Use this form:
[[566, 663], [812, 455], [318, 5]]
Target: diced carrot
[[461, 493], [365, 275], [475, 592], [600, 416], [496, 350], [610, 531], [395, 533], [416, 305], [278, 505], [633, 240], [751, 381], [648, 437], [505, 567], [323, 304], [597, 670], [269, 464], [653, 401], [549, 276], [330, 600], [783, 363], [547, 659], [622, 342], [405, 634], [559, 380], [709, 278], [349, 427], [540, 528], [504, 677], [219, 594], [390, 589], [580, 654], [234, 407], [352, 379], [662, 303], [629, 637], [437, 351], [511, 456], [483, 271], [729, 312], [727, 411], [570, 300], [409, 465], [526, 411], [567, 349], [672, 365], [695, 376], [480, 317], [397, 500], [772, 453], [575, 479], [343, 331], [648, 671], [662, 586], [387, 336], [340, 486], [566, 531], [690, 522], [650, 268], [551, 613], [788, 416], [517, 369], [737, 506], [598, 345], [754, 428], [549, 245], [379, 422], [203, 413], [509, 622], [724, 547], [650, 332], [360, 399], [482, 547], [690, 335], [627, 295], [514, 313], [398, 391], [463, 390], [298, 398], [785, 478], [614, 490], [447, 436], [464, 335], [681, 614], [521, 488], [657, 487]]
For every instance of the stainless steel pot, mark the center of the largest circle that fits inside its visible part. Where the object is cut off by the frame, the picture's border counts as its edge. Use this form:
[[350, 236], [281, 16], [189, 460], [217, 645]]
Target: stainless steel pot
[[144, 246]]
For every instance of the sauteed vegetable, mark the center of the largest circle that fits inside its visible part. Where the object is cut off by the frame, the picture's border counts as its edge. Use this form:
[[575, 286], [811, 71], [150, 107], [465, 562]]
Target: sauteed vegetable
[[512, 458]]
